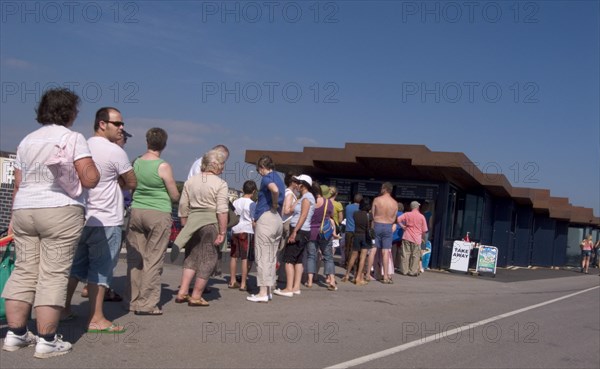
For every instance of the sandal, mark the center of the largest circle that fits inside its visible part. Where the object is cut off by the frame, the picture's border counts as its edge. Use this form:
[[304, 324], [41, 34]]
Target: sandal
[[345, 279], [199, 302], [332, 287], [181, 299], [387, 281], [307, 285], [243, 289], [234, 285]]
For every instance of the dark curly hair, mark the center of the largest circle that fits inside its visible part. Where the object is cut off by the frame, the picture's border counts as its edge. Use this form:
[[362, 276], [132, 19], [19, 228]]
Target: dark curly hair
[[58, 106], [156, 139]]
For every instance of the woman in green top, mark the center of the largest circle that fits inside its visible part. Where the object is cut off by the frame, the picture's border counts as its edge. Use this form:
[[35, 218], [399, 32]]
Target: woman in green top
[[150, 225]]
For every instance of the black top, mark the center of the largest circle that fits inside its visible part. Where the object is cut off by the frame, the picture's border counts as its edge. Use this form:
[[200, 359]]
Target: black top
[[361, 222]]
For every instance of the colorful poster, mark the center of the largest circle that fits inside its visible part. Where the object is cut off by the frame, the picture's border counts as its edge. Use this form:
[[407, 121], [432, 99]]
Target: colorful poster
[[487, 259], [460, 256]]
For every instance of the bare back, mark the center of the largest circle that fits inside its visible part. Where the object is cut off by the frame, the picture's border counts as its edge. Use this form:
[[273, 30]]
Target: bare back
[[385, 209]]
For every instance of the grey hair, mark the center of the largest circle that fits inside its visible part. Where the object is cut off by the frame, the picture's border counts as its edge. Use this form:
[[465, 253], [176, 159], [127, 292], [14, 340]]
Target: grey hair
[[213, 161]]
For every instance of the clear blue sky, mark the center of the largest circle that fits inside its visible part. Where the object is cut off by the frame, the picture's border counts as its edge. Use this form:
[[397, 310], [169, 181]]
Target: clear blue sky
[[512, 84]]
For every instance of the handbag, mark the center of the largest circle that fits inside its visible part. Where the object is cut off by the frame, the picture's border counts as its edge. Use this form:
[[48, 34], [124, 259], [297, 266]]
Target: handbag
[[61, 165], [6, 267], [232, 217], [326, 230]]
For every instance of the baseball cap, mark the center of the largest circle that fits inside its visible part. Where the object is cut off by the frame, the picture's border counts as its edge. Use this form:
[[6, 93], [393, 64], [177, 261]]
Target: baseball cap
[[127, 134], [303, 177], [414, 204]]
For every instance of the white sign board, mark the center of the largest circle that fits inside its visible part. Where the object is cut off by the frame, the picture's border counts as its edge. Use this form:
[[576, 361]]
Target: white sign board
[[460, 256], [7, 170]]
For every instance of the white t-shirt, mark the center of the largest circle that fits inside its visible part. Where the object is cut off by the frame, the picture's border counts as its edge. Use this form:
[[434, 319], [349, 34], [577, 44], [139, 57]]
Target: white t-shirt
[[105, 201], [195, 169], [38, 188], [242, 208]]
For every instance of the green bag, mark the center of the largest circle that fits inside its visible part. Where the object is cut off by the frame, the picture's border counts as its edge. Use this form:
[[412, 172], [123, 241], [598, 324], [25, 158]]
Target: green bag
[[6, 267]]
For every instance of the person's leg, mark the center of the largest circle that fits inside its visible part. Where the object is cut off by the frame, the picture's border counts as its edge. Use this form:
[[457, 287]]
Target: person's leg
[[186, 279], [351, 261], [404, 257], [104, 245], [135, 242], [19, 290], [329, 267], [415, 259], [372, 253], [348, 249], [386, 263], [60, 230], [245, 269], [311, 262], [159, 225], [359, 274], [261, 248]]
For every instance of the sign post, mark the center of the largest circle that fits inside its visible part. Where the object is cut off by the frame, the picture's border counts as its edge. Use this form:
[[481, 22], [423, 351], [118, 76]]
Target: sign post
[[460, 256], [487, 260]]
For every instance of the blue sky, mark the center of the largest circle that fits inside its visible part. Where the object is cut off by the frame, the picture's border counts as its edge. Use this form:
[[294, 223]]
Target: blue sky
[[512, 84]]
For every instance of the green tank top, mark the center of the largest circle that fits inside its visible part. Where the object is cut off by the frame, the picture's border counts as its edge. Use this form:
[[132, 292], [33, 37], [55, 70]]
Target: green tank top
[[150, 192]]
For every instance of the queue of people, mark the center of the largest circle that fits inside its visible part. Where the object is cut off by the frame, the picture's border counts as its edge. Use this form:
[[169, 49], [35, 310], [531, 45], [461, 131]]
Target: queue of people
[[295, 221]]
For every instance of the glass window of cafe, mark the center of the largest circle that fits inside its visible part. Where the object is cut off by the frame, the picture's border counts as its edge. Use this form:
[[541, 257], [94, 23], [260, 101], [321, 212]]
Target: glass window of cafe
[[464, 214]]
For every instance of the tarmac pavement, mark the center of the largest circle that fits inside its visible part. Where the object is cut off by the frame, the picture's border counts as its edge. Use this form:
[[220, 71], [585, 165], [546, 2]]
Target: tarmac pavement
[[320, 328]]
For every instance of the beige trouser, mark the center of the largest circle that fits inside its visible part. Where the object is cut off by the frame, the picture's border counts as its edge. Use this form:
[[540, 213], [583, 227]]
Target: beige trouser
[[147, 240], [45, 243], [266, 241], [410, 255]]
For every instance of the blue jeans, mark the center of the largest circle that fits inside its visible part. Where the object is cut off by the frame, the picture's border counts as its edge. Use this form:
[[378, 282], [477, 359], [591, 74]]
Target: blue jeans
[[311, 257], [97, 255]]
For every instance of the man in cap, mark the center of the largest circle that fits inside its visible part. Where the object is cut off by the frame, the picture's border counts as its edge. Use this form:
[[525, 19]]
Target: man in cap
[[414, 225]]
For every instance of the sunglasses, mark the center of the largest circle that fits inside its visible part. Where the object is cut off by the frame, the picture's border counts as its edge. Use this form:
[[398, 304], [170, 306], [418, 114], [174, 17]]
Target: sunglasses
[[116, 123]]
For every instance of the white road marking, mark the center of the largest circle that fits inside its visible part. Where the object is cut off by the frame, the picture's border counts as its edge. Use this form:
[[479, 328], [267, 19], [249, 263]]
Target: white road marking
[[438, 336]]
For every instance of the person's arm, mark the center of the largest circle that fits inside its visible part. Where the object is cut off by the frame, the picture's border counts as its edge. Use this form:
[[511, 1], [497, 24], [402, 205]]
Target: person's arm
[[304, 207], [222, 222], [88, 174], [127, 180], [17, 183], [166, 173], [222, 209], [274, 196], [288, 204]]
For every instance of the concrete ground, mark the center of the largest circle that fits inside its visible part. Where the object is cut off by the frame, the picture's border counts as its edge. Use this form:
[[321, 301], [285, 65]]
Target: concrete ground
[[439, 319]]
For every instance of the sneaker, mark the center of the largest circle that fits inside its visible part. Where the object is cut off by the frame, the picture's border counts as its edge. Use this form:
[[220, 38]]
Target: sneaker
[[12, 342], [45, 349], [299, 292], [254, 298], [279, 292]]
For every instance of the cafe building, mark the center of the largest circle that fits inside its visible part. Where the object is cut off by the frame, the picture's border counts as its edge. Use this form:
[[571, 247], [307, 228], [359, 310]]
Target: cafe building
[[528, 226]]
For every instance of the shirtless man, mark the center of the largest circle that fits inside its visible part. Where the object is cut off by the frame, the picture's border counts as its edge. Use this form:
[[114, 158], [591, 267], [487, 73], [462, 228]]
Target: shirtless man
[[385, 209]]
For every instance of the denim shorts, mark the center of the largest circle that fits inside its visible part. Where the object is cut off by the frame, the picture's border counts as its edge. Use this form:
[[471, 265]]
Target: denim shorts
[[383, 236], [587, 253], [97, 255]]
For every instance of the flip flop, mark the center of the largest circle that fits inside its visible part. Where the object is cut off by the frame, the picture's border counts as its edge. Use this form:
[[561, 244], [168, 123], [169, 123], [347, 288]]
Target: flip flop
[[112, 329]]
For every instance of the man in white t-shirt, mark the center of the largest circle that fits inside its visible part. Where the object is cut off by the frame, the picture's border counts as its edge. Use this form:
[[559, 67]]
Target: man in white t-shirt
[[195, 168], [100, 243]]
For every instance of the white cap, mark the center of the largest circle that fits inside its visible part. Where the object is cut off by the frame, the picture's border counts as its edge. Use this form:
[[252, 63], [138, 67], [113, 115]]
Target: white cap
[[303, 177], [414, 204]]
